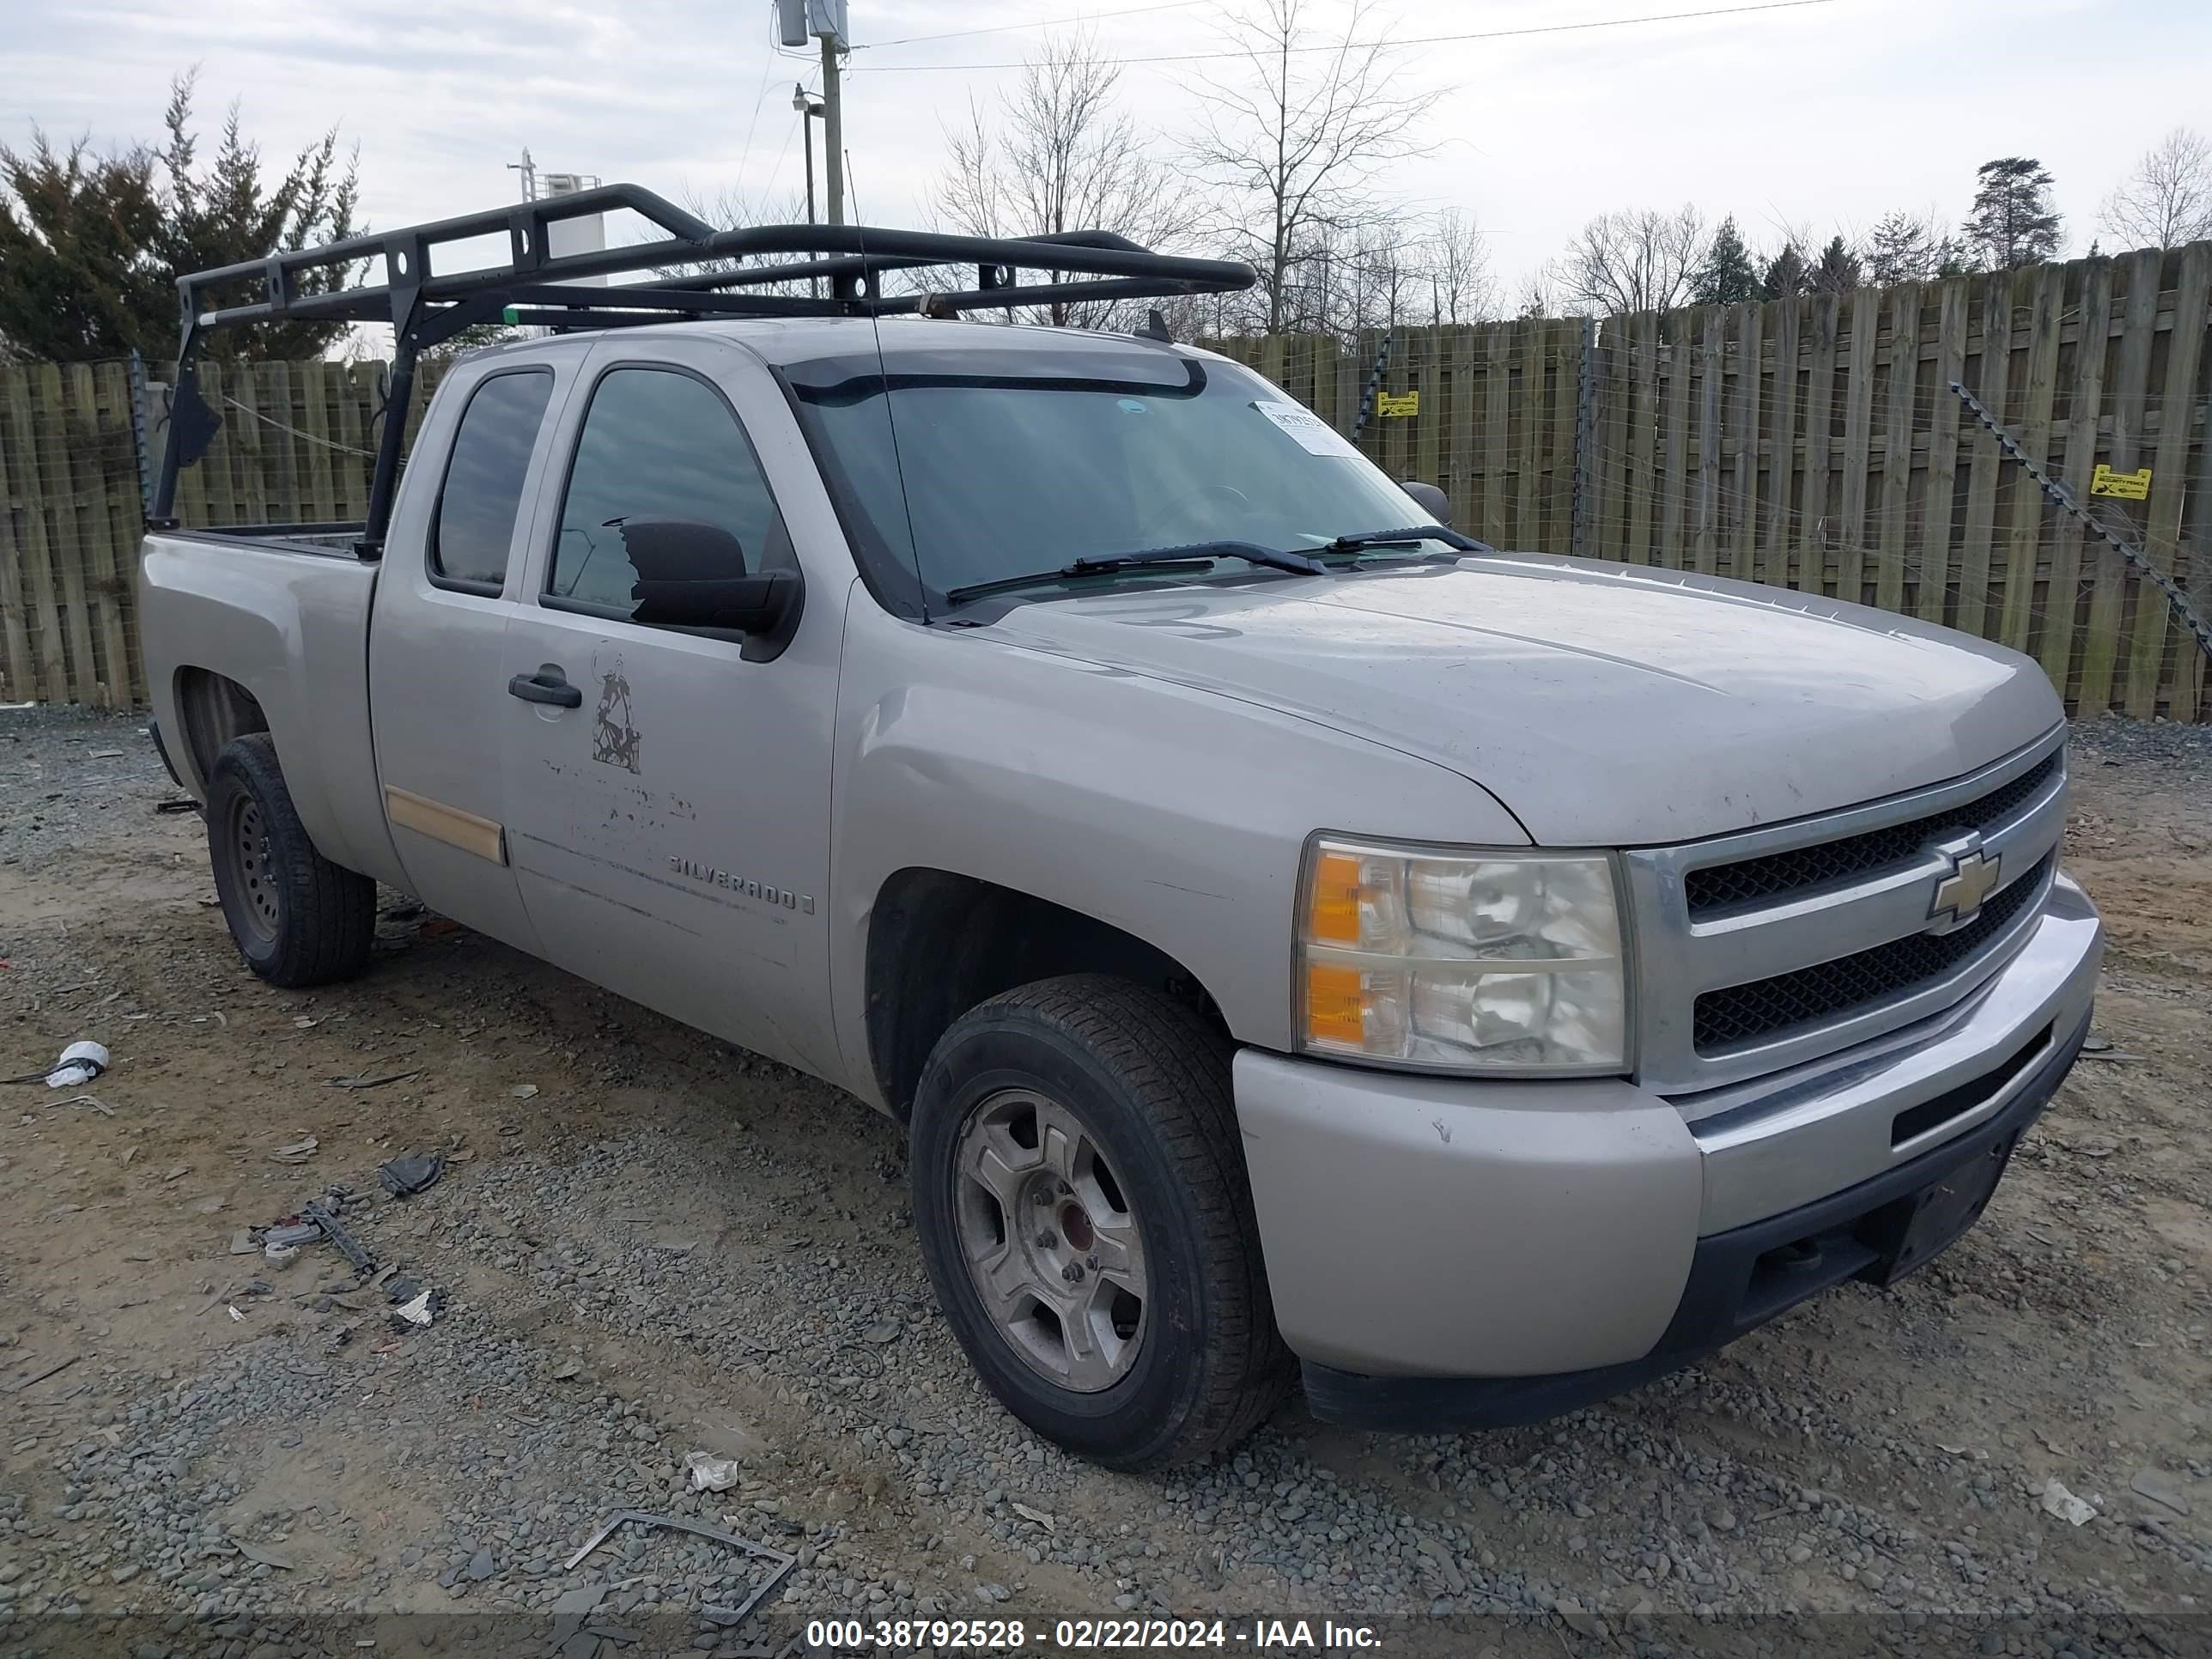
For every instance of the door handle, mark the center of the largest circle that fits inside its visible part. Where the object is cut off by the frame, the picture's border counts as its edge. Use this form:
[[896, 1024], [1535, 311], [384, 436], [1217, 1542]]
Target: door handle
[[549, 684]]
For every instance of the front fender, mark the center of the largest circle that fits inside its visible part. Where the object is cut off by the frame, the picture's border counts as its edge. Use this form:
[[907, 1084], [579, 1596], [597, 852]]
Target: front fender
[[1176, 814]]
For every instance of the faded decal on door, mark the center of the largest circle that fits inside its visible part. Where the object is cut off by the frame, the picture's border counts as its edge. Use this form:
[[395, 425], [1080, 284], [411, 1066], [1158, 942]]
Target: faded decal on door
[[615, 740]]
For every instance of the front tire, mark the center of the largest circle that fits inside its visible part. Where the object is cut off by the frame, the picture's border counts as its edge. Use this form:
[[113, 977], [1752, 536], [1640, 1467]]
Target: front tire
[[1083, 1211], [297, 919]]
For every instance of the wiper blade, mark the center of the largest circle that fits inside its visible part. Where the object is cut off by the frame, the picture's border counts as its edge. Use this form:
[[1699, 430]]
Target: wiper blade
[[1193, 556], [1362, 540]]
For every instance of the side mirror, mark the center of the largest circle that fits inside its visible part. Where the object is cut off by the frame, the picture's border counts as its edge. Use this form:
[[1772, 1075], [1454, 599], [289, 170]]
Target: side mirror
[[692, 576], [1431, 500]]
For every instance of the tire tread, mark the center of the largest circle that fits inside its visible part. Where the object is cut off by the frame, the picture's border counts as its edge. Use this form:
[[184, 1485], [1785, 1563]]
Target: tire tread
[[330, 912], [1167, 1057]]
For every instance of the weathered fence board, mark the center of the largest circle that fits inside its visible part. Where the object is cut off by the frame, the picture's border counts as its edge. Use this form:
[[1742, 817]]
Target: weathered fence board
[[1812, 443], [1815, 443]]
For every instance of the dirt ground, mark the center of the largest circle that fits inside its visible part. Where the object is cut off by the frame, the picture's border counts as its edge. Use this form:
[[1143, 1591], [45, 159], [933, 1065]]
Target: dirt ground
[[652, 1244]]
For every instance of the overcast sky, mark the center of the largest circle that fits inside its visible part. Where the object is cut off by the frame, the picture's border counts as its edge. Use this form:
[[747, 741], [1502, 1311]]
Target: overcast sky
[[1827, 114]]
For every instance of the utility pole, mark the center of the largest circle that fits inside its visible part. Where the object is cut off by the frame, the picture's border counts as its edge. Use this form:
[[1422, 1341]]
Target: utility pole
[[833, 129], [799, 21]]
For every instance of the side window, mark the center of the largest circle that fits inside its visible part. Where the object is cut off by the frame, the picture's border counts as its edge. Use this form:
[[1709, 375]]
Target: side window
[[657, 443], [473, 523]]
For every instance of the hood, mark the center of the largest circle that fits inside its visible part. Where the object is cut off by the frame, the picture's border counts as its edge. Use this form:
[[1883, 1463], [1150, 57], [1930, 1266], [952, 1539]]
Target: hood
[[1604, 705]]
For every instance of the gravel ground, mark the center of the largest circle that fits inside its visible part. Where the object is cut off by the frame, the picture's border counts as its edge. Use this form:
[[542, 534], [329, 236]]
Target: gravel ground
[[652, 1245]]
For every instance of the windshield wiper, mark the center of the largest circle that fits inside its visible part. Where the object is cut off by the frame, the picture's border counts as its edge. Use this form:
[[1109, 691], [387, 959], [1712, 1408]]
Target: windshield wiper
[[1362, 540], [1195, 555]]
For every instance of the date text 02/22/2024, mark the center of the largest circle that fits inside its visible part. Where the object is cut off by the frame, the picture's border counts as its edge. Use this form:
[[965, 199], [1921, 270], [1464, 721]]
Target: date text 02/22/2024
[[1084, 1635]]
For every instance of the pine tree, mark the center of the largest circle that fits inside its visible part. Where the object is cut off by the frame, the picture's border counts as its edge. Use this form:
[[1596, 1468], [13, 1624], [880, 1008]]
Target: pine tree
[[2014, 223], [1725, 277], [76, 278], [91, 246], [228, 212], [1786, 276], [1837, 272], [1905, 247]]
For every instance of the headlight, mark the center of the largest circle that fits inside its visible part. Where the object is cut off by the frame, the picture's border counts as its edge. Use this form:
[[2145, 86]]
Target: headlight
[[1460, 960]]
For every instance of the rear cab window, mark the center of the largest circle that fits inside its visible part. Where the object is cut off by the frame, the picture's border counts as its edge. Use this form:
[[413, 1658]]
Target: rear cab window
[[472, 526]]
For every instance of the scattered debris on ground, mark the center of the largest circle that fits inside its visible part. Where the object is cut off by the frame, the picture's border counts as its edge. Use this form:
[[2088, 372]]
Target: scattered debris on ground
[[681, 1248]]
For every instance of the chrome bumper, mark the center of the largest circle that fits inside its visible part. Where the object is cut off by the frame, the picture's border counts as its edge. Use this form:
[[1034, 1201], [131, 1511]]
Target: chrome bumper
[[1421, 1226], [1786, 1139]]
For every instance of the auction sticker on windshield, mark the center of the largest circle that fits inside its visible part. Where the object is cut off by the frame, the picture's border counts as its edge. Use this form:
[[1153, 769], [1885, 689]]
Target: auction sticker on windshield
[[1314, 436]]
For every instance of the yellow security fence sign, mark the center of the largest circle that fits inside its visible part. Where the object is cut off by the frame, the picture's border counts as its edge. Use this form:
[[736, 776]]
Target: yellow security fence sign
[[2128, 486], [1397, 405]]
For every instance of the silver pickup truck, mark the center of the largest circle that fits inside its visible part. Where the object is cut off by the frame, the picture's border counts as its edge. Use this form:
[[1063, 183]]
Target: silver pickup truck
[[1298, 941]]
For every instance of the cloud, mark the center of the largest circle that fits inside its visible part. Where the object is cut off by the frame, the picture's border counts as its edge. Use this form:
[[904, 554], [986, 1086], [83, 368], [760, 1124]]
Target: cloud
[[1829, 116]]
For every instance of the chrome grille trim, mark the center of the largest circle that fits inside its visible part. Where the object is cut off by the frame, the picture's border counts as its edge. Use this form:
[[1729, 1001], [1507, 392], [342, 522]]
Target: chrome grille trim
[[1679, 956]]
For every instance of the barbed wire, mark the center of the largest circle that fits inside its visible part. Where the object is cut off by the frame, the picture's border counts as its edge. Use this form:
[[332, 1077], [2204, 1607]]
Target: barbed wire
[[2065, 499]]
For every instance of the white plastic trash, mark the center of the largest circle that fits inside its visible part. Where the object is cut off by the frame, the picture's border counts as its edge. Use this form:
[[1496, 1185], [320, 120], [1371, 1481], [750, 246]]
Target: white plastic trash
[[711, 1474], [79, 1063]]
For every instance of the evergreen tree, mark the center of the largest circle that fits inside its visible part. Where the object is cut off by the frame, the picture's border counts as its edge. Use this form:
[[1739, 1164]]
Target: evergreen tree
[[2014, 223], [1905, 247], [1786, 276], [1725, 277], [91, 246], [78, 279], [229, 211], [1837, 269]]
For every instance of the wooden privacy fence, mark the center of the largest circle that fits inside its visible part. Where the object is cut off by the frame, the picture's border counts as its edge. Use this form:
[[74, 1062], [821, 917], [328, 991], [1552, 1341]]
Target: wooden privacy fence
[[1814, 443], [296, 443]]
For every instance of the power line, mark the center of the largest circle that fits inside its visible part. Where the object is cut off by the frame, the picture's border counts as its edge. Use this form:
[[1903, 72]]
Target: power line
[[1040, 23], [1421, 40]]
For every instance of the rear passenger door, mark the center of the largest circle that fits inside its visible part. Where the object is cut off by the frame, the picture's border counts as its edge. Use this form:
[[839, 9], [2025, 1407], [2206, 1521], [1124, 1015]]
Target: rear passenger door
[[437, 706], [669, 831]]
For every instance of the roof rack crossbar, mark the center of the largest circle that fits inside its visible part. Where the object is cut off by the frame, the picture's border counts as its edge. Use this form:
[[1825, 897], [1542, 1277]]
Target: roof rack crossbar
[[409, 256], [403, 286]]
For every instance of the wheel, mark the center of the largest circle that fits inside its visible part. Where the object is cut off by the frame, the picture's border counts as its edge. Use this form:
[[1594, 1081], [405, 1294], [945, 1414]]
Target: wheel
[[298, 919], [1083, 1210]]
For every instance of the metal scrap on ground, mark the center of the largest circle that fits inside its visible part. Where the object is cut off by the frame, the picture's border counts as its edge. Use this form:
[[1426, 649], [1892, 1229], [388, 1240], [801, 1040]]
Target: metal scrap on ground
[[727, 1617]]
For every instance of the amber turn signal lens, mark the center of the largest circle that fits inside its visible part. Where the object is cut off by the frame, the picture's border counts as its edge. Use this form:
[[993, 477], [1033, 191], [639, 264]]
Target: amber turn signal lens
[[1335, 1003], [1334, 913]]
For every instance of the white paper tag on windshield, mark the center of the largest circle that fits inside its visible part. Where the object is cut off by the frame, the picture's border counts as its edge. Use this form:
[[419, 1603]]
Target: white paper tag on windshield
[[1314, 436]]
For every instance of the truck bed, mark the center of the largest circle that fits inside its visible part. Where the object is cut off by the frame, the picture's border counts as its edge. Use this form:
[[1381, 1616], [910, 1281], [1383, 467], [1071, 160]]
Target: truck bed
[[283, 611]]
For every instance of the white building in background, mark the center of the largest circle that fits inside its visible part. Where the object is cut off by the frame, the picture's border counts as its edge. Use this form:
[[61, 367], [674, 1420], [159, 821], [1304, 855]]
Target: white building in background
[[585, 233]]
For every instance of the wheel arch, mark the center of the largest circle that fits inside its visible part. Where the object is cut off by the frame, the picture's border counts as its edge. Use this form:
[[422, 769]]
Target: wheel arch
[[212, 708], [939, 942]]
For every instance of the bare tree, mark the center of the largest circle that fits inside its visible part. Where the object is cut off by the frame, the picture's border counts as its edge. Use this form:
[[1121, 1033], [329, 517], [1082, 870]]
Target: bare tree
[[727, 209], [1061, 156], [1297, 139], [2167, 200], [1537, 299], [1640, 259], [1460, 287]]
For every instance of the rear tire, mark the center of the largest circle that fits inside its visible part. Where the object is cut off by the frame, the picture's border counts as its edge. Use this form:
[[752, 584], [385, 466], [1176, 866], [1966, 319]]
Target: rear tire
[[1083, 1209], [297, 919]]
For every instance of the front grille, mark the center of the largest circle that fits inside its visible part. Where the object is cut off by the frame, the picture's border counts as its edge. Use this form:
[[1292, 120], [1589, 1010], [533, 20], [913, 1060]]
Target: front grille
[[1829, 990], [1721, 886]]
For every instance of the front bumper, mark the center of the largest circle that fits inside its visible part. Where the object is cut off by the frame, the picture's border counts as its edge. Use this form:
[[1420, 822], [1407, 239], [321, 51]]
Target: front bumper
[[1453, 1254]]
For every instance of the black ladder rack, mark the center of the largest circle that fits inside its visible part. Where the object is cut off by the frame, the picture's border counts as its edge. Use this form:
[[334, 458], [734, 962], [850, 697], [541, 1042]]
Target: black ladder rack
[[426, 307]]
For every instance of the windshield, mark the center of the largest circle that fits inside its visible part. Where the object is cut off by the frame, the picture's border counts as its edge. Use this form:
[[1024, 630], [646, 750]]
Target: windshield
[[1076, 455]]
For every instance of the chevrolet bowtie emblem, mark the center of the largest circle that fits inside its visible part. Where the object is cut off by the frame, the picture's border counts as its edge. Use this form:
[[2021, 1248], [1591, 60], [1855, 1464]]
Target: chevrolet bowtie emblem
[[1972, 878]]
